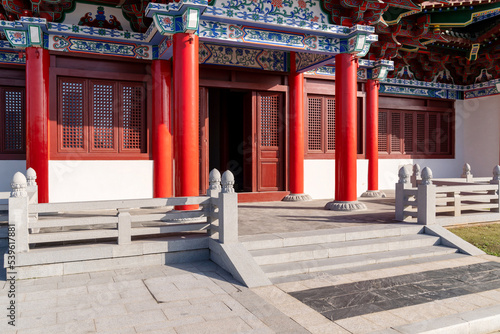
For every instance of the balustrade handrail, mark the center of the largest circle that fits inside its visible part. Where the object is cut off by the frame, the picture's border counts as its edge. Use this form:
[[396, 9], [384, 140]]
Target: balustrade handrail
[[218, 215], [428, 197]]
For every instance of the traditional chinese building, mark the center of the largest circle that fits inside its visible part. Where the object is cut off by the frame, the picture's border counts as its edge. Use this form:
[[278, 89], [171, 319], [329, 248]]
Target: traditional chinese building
[[111, 99]]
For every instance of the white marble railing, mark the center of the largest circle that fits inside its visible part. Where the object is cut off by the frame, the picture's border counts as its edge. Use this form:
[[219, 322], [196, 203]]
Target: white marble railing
[[87, 222], [447, 201]]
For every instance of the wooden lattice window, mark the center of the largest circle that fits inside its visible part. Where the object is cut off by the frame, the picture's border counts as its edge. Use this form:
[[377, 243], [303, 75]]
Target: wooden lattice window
[[412, 132], [132, 121], [314, 133], [269, 130], [72, 118], [320, 125], [12, 118], [330, 121], [101, 116]]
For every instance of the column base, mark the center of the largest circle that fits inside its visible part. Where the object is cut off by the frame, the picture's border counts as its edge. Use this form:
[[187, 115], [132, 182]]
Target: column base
[[297, 198], [345, 206], [373, 193]]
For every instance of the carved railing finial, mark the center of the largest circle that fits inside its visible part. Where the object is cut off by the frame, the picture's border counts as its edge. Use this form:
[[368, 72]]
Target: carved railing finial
[[496, 173], [466, 170], [416, 171], [228, 182], [214, 179], [404, 176], [426, 176], [18, 185], [31, 177]]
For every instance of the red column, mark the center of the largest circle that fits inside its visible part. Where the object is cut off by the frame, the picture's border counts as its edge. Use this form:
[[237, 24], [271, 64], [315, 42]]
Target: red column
[[296, 136], [186, 115], [346, 66], [37, 117], [372, 133], [162, 131]]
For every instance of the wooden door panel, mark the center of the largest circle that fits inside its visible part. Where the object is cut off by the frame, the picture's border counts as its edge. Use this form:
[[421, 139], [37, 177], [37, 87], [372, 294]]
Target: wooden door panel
[[270, 141], [203, 140]]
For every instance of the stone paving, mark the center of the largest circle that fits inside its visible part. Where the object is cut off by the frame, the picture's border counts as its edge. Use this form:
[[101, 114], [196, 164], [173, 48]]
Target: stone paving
[[274, 217]]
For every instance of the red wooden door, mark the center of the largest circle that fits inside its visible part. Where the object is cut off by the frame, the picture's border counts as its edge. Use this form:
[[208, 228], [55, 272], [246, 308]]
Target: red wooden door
[[203, 138], [270, 141]]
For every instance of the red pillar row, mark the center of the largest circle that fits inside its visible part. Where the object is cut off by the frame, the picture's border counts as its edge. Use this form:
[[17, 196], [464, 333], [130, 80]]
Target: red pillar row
[[372, 133], [186, 115], [346, 67], [162, 129], [296, 137], [37, 117]]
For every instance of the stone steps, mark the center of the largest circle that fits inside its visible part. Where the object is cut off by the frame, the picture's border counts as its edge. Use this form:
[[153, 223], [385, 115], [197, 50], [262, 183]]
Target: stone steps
[[340, 249], [277, 240], [292, 256]]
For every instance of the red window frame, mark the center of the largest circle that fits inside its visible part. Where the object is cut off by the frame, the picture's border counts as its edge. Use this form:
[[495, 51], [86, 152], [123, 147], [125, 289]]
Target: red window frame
[[429, 134], [90, 111]]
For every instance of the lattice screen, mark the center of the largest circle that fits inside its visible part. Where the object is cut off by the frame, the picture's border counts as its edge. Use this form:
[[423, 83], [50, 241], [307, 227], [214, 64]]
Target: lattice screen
[[433, 132], [395, 132], [14, 120], [103, 116], [330, 121], [421, 133], [132, 117], [314, 132], [269, 113], [408, 133], [382, 131], [72, 115], [444, 137]]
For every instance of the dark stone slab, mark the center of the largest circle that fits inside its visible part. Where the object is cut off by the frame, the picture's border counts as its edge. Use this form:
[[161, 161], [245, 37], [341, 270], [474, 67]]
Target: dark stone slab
[[353, 299]]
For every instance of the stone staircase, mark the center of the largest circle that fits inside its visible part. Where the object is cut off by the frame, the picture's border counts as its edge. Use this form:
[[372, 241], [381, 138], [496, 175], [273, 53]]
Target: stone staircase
[[293, 256]]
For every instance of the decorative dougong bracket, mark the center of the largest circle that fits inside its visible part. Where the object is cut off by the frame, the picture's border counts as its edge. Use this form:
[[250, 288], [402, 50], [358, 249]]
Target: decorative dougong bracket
[[28, 31], [380, 69]]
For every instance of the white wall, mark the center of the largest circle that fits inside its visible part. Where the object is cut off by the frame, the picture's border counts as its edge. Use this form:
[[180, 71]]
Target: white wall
[[319, 178], [7, 170], [481, 128], [86, 180]]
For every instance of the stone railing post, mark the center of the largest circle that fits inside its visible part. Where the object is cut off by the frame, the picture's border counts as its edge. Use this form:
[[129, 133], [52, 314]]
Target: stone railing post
[[228, 210], [213, 191], [124, 226], [426, 198], [403, 183], [496, 180], [32, 190], [18, 214], [466, 173], [415, 177]]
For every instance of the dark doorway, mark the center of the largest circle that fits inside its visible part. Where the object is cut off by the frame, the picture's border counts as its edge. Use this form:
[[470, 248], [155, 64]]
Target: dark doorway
[[227, 112]]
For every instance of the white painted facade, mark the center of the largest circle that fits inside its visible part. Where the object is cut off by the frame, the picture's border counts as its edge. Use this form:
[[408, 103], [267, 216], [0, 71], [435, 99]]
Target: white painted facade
[[86, 180], [477, 142], [7, 169]]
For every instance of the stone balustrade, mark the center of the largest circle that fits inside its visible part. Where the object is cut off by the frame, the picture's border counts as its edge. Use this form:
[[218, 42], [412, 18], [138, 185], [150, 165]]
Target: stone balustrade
[[121, 220], [446, 201]]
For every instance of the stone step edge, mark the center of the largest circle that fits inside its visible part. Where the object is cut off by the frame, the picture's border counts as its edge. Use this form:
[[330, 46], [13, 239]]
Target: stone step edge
[[74, 253], [428, 240], [296, 238], [370, 267], [304, 268], [480, 321], [78, 267]]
